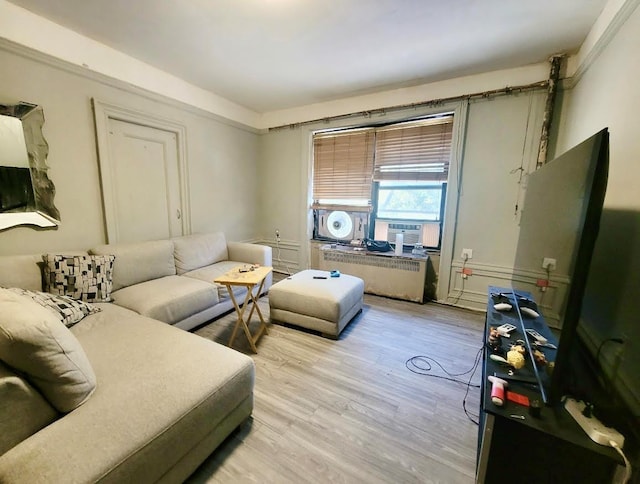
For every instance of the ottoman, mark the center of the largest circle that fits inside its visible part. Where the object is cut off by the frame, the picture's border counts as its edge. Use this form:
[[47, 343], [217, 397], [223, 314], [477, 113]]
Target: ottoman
[[324, 305]]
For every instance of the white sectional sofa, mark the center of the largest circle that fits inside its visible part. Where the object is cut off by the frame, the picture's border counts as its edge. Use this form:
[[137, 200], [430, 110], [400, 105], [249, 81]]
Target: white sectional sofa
[[159, 399]]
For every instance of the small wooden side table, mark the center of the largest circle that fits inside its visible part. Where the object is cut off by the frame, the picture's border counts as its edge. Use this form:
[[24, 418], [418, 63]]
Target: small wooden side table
[[248, 279]]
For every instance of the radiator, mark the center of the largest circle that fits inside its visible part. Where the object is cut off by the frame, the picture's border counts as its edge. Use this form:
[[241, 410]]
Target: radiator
[[384, 274]]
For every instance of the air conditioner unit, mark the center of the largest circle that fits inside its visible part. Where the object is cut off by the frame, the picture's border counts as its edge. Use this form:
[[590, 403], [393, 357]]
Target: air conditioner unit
[[358, 225], [412, 233]]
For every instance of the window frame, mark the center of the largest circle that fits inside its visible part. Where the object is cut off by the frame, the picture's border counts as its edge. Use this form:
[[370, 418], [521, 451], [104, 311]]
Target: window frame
[[443, 118]]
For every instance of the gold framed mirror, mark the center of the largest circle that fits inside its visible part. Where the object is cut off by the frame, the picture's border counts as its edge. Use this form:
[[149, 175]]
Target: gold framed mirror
[[26, 192]]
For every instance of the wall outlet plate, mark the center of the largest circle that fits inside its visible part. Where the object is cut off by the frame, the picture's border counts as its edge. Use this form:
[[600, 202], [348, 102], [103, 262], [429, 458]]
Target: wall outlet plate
[[467, 254]]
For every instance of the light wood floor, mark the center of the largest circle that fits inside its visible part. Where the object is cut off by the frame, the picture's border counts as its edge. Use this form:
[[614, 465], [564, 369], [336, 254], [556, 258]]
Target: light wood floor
[[350, 411]]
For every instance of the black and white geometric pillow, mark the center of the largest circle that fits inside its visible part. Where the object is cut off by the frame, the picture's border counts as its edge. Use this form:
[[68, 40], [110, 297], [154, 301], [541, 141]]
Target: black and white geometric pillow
[[86, 278], [68, 310]]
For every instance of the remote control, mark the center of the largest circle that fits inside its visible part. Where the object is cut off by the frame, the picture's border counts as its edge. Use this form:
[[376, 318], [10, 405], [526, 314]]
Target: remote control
[[505, 329], [319, 277], [537, 336]]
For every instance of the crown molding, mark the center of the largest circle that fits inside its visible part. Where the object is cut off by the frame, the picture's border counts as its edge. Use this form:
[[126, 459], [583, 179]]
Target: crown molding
[[63, 65], [613, 27]]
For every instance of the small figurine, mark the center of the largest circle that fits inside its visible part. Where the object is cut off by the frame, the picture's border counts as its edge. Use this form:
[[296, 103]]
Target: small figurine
[[515, 356], [495, 340], [539, 358]]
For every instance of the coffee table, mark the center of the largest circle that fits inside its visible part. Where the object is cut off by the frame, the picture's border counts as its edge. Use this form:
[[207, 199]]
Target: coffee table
[[253, 277]]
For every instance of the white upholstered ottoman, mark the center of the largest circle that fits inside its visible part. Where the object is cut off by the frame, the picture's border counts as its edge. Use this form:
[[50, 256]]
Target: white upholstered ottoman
[[324, 305]]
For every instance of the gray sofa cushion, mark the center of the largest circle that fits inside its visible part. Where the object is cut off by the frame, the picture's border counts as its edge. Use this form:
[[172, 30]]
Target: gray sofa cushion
[[162, 392], [21, 271], [35, 342], [169, 299], [23, 411], [195, 251], [209, 273], [139, 262]]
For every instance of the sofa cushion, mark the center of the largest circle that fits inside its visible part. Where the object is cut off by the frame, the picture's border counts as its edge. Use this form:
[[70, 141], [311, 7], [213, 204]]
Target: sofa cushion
[[21, 271], [169, 299], [85, 277], [68, 310], [35, 342], [23, 411], [162, 392], [209, 273], [199, 250], [139, 262]]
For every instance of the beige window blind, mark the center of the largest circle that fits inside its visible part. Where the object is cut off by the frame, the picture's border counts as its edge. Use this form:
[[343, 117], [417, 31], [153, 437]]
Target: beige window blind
[[343, 168], [418, 151]]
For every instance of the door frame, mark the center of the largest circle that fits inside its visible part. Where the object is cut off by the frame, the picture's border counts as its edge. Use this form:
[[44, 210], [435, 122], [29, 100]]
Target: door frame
[[104, 112]]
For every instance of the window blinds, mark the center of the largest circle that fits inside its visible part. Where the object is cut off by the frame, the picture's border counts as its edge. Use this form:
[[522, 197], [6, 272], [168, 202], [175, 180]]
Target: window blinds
[[343, 167], [346, 163], [417, 151]]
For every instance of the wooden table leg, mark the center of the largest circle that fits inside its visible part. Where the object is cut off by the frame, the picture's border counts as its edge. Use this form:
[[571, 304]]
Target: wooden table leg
[[263, 324], [241, 321]]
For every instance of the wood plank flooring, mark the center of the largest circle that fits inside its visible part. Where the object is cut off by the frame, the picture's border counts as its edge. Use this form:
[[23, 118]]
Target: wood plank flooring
[[350, 411]]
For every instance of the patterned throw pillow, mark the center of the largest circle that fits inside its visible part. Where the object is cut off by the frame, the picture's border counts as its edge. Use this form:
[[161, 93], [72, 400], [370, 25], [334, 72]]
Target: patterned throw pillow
[[87, 278], [68, 310]]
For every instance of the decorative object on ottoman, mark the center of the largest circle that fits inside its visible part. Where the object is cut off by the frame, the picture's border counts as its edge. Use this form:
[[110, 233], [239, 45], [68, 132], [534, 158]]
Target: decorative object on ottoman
[[314, 300]]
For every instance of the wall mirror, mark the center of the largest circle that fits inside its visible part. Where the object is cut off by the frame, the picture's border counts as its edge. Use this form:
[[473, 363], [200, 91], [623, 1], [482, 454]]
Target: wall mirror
[[26, 192]]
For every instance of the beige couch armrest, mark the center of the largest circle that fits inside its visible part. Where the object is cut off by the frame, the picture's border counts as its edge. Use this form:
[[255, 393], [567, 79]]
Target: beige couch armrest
[[250, 253]]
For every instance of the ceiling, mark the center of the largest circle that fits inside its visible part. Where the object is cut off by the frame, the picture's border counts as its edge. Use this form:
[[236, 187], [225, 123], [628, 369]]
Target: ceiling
[[269, 55]]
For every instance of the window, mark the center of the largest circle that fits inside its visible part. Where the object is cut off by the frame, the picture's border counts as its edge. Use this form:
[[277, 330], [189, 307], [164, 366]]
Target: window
[[397, 171], [401, 200]]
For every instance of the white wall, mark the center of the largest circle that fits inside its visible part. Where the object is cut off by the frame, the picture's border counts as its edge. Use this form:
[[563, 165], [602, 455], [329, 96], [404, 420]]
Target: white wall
[[607, 95], [501, 145], [221, 158], [501, 135]]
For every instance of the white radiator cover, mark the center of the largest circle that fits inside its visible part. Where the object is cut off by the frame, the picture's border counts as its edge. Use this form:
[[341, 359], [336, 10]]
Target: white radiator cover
[[384, 274]]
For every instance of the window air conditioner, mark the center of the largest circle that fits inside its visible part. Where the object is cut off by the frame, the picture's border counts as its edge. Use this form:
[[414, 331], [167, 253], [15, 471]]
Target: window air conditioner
[[412, 233]]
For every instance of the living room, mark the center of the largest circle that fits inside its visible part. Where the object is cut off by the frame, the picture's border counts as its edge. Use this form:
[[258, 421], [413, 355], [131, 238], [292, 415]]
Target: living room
[[231, 150]]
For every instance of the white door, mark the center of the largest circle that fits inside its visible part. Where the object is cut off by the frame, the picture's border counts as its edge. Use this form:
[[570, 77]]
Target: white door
[[145, 182]]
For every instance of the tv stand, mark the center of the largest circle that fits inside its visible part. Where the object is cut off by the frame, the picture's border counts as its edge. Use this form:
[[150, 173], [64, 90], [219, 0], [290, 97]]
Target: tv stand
[[514, 446]]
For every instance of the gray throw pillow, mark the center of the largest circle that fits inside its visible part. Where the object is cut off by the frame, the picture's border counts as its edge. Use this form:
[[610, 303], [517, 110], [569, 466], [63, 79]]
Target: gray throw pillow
[[35, 343]]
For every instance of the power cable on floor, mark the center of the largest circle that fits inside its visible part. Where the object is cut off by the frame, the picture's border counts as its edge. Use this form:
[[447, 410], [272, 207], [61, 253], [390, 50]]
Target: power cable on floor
[[421, 365]]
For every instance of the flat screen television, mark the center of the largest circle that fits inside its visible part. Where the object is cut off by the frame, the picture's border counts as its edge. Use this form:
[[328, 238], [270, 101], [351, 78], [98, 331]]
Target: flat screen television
[[560, 220]]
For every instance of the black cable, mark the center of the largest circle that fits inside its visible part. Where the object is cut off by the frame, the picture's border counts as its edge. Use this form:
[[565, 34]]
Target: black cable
[[414, 367], [612, 340]]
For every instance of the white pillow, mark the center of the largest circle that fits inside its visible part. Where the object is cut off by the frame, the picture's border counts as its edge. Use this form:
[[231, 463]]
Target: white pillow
[[36, 343]]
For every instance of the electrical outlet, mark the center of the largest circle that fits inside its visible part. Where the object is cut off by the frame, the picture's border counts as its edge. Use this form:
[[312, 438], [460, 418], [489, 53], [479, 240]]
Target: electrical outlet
[[467, 254], [549, 264], [277, 234]]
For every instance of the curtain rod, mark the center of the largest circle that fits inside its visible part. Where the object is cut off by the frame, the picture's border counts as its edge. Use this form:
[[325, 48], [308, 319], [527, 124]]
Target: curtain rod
[[434, 102]]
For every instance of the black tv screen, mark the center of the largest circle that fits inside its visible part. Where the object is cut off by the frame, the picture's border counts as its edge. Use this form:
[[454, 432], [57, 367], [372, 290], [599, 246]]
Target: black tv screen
[[560, 220]]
